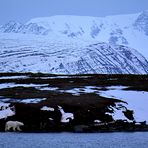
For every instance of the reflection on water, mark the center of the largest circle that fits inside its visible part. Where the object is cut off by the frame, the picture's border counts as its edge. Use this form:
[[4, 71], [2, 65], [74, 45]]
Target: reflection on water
[[74, 140]]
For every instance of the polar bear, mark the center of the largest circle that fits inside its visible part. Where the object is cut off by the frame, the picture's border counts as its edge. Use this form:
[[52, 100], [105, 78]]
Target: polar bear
[[15, 125]]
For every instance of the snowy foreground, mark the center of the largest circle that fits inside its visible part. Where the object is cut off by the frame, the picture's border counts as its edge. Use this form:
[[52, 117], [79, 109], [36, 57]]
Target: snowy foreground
[[73, 101], [137, 100]]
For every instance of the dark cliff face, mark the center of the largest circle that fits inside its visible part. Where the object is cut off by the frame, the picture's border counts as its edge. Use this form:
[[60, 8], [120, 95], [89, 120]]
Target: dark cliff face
[[9, 27], [103, 58], [15, 27]]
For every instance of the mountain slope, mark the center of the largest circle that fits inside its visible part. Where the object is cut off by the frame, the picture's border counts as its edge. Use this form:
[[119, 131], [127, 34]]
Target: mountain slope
[[73, 45], [24, 53], [130, 30]]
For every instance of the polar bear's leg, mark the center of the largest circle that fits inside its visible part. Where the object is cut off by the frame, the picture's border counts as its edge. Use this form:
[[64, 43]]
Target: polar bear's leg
[[18, 128], [6, 128], [14, 128]]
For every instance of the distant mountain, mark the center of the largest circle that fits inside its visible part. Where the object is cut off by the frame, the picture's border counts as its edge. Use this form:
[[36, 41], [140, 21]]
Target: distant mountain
[[76, 44], [130, 30]]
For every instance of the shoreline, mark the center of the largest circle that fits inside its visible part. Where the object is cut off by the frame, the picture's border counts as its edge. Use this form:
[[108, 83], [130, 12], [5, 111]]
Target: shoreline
[[87, 129]]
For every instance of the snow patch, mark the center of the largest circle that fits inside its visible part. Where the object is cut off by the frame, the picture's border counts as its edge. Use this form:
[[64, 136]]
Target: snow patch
[[49, 88], [137, 101], [97, 121], [86, 89], [35, 100], [47, 108], [13, 77], [6, 111], [11, 85], [65, 116], [3, 105]]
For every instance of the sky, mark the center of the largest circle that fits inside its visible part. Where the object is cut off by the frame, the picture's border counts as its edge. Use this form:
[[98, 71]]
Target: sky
[[24, 10]]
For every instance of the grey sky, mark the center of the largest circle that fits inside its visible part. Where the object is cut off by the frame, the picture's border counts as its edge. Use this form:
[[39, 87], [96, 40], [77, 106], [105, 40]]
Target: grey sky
[[23, 10]]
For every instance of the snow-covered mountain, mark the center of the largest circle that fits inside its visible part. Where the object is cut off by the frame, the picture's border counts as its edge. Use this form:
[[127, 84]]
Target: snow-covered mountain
[[31, 53], [76, 44], [130, 30]]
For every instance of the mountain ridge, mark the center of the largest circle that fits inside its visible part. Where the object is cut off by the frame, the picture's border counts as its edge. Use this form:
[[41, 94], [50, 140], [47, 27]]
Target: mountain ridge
[[130, 30], [76, 45]]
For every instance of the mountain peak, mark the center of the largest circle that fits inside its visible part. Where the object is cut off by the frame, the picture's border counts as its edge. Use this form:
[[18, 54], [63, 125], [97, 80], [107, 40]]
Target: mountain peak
[[130, 30], [142, 22]]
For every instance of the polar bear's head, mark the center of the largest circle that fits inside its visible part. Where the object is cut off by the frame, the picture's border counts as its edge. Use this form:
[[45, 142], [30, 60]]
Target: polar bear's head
[[20, 123]]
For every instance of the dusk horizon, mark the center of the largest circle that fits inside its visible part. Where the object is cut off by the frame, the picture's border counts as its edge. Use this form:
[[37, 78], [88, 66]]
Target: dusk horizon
[[24, 10]]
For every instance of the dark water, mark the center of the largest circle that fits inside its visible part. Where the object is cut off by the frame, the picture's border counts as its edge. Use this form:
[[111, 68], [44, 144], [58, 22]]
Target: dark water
[[71, 140]]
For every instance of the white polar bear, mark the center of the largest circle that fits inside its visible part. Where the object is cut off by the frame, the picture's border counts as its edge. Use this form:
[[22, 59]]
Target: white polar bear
[[15, 125]]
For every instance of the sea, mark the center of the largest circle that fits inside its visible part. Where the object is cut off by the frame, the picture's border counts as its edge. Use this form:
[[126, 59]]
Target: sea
[[74, 140]]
